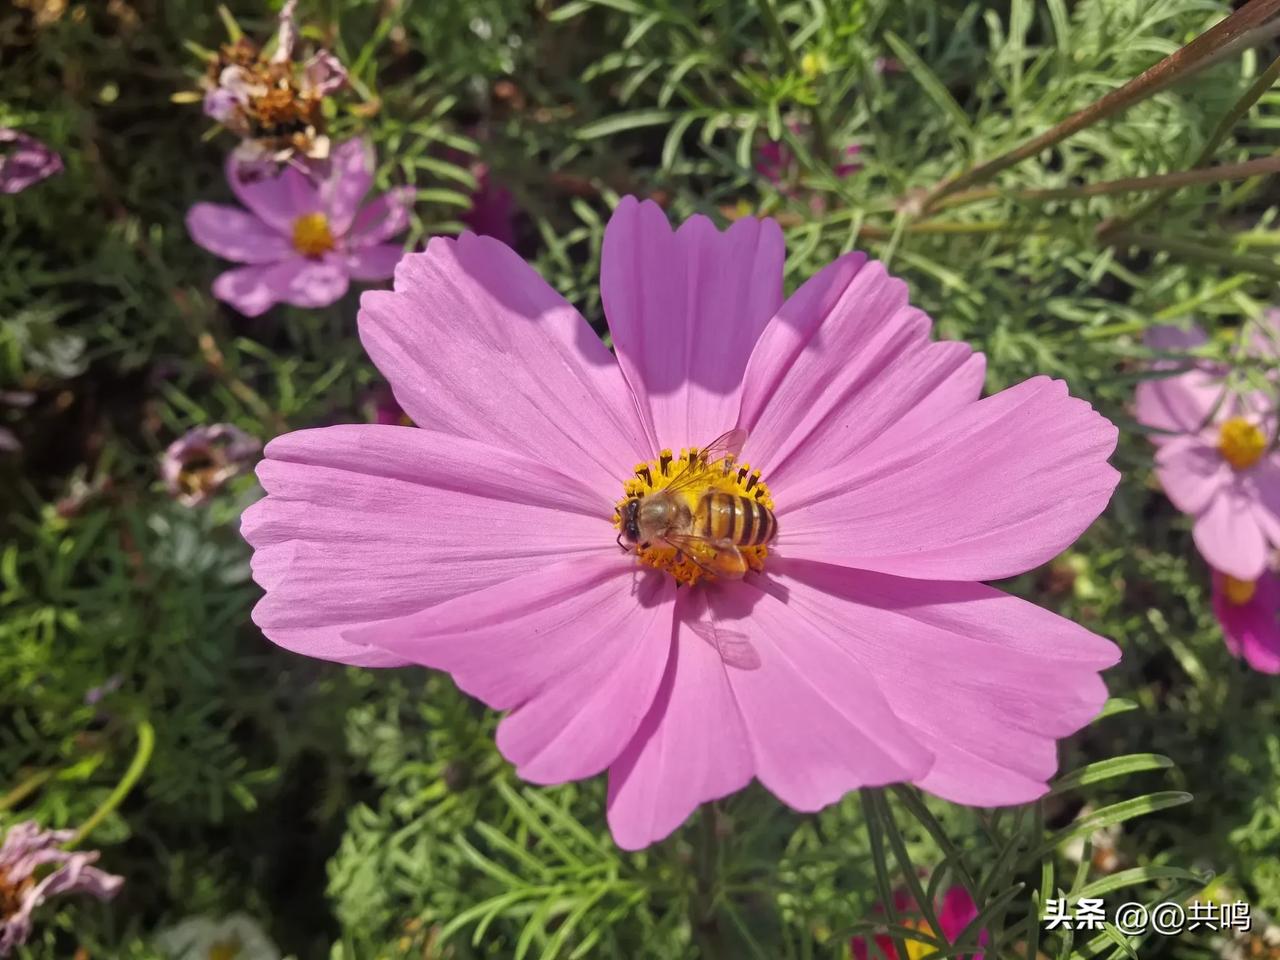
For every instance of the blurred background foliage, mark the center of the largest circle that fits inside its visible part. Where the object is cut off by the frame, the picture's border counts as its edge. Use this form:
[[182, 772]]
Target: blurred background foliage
[[367, 814]]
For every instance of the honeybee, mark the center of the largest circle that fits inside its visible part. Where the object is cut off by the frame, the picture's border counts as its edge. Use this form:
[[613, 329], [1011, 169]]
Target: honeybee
[[719, 523]]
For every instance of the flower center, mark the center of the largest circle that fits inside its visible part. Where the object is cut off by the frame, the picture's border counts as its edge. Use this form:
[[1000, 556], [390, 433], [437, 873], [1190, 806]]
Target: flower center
[[12, 894], [1241, 443], [917, 950], [1239, 592], [224, 950], [716, 522], [311, 235]]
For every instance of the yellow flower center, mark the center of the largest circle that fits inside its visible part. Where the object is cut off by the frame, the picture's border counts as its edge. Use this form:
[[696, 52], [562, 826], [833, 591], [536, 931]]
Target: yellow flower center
[[1239, 592], [224, 950], [1241, 443], [916, 950], [709, 531], [311, 235]]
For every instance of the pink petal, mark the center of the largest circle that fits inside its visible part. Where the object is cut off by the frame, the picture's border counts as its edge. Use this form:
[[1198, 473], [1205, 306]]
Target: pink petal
[[576, 649], [1001, 487], [685, 309], [845, 360], [382, 219], [368, 522], [301, 281], [985, 681], [374, 263], [817, 723], [1180, 403], [475, 342], [1192, 472], [276, 200], [1228, 536], [235, 235], [1252, 629], [691, 747], [350, 177]]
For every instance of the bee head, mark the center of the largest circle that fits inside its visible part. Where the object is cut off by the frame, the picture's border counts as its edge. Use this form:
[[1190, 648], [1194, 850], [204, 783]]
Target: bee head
[[631, 520]]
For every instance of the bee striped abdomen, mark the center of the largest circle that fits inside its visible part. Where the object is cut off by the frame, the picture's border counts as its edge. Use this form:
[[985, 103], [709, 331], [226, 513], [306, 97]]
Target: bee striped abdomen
[[741, 520]]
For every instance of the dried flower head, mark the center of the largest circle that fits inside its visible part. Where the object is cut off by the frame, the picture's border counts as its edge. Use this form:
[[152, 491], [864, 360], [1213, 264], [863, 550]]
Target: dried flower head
[[202, 460], [25, 883], [275, 104]]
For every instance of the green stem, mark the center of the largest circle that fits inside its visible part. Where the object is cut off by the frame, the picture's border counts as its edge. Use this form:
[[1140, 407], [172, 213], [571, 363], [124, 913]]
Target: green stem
[[702, 907], [141, 757], [821, 142], [1168, 182], [882, 869], [1179, 65], [1233, 116], [27, 787], [1201, 252]]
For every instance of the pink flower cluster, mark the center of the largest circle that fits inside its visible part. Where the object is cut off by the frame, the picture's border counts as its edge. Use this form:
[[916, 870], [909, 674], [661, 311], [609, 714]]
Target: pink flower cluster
[[1217, 462]]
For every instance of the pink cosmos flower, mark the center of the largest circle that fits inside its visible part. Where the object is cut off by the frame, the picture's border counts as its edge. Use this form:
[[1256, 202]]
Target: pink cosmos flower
[[493, 207], [865, 651], [954, 912], [303, 239], [1214, 459], [24, 161], [26, 852], [1249, 612]]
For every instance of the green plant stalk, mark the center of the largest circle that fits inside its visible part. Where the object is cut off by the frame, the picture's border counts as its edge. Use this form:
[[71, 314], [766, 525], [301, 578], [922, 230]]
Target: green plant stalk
[[1179, 65], [912, 879], [24, 789], [141, 757], [1233, 116], [702, 906], [1203, 252], [1167, 182], [871, 820], [821, 141]]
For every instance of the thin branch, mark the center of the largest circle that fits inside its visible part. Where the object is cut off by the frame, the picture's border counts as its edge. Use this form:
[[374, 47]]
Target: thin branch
[[1179, 65]]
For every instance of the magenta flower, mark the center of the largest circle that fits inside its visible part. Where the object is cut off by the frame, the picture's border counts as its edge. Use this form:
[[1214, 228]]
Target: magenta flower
[[304, 240], [776, 162], [200, 462], [954, 912], [493, 207], [1249, 612], [865, 651], [25, 853], [24, 161], [1214, 459]]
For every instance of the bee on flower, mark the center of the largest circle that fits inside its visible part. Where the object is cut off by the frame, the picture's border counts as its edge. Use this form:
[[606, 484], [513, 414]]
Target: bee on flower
[[273, 103]]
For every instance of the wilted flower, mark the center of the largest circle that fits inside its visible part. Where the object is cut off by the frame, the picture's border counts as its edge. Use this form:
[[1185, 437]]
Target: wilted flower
[[197, 465], [1215, 460], [867, 652], [304, 240], [955, 911], [1249, 612], [25, 882], [274, 104], [234, 937], [24, 160]]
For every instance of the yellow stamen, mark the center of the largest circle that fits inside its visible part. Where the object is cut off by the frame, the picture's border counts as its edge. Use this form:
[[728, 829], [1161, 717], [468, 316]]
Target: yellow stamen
[[1238, 592], [311, 235], [1241, 443], [726, 475]]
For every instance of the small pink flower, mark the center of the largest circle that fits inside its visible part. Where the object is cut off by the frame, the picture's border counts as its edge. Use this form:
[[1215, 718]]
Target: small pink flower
[[955, 911], [200, 462], [776, 162], [1214, 457], [864, 650], [1249, 612], [25, 854], [304, 239], [24, 161]]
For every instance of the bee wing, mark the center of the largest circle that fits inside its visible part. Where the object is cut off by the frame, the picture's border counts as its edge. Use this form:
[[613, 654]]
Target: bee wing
[[728, 444], [701, 550], [734, 647]]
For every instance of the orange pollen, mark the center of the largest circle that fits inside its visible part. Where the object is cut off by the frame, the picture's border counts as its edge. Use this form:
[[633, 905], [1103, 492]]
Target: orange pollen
[[311, 235], [1238, 592], [1241, 443]]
